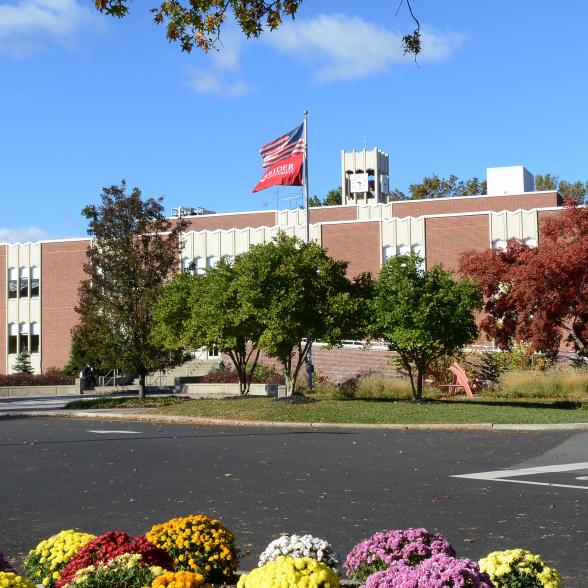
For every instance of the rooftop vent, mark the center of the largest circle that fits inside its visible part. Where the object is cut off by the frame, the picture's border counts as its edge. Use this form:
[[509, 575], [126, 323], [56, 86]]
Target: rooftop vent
[[189, 211], [509, 180]]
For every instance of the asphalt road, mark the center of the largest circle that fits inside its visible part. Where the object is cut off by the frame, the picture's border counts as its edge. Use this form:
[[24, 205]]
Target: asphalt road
[[339, 484]]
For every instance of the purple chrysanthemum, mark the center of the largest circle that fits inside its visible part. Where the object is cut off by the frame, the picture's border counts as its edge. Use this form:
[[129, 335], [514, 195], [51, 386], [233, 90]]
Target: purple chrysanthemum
[[4, 565], [440, 571], [384, 548]]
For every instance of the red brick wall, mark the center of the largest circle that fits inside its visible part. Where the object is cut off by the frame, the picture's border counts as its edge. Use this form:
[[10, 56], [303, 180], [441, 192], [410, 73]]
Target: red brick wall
[[479, 204], [447, 237], [61, 274], [3, 303], [241, 220], [338, 213], [357, 243]]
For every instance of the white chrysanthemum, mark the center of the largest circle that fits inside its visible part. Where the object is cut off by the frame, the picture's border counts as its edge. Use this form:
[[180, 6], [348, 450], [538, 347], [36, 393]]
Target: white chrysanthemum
[[299, 546]]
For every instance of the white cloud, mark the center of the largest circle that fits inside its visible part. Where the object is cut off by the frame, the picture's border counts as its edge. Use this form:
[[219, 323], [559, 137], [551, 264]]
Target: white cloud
[[216, 83], [26, 23], [348, 47], [22, 235], [223, 79]]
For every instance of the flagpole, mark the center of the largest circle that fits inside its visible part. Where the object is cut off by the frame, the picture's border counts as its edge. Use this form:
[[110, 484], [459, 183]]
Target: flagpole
[[309, 366]]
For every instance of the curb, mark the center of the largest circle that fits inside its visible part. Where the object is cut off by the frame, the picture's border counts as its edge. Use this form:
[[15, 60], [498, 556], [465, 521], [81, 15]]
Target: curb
[[180, 420]]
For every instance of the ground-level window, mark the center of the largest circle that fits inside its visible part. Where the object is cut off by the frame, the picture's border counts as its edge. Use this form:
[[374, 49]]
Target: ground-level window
[[530, 242], [499, 244], [23, 338], [212, 352], [35, 336], [200, 265], [402, 250], [387, 253], [211, 261], [12, 338]]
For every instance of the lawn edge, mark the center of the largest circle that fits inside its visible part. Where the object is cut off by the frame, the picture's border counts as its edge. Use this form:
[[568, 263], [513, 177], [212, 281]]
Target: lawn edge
[[185, 420]]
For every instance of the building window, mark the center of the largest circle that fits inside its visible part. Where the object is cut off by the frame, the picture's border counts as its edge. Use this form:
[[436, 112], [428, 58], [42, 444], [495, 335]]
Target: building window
[[12, 283], [212, 352], [35, 336], [387, 253], [402, 250], [530, 242], [499, 244], [23, 282], [211, 261], [23, 339], [200, 265], [12, 339], [420, 251], [35, 281], [186, 264]]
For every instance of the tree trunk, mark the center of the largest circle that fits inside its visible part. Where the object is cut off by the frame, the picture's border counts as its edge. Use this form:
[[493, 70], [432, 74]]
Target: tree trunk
[[289, 384], [419, 383], [142, 385]]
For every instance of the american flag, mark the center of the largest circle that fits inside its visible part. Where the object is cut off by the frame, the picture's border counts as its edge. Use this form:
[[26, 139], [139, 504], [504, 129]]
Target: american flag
[[285, 146]]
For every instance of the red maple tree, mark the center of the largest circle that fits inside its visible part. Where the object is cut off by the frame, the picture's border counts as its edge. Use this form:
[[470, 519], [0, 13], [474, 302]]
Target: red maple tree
[[537, 294]]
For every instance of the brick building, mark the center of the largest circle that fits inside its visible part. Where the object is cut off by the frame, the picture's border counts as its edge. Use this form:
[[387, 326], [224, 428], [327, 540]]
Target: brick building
[[39, 281]]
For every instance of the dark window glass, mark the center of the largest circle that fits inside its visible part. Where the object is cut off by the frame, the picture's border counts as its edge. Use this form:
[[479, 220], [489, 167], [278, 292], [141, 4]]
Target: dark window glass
[[23, 285], [12, 283], [12, 343], [35, 281], [23, 342], [34, 343]]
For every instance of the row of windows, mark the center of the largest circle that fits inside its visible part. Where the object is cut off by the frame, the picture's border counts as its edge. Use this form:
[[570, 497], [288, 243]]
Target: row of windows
[[198, 265], [24, 282], [23, 337]]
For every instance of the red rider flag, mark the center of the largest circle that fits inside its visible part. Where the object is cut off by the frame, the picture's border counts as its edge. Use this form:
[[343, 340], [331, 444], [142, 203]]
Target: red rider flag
[[284, 157]]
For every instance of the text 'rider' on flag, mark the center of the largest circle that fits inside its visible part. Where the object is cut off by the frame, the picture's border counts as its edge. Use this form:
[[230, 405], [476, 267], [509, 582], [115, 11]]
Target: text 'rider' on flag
[[284, 158]]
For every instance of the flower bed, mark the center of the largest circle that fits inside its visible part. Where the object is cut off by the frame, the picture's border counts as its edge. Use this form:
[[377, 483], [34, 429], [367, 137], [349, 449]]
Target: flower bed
[[198, 552]]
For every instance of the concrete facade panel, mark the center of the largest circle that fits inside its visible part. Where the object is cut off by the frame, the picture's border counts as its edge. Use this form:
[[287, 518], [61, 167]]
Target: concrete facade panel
[[61, 274], [357, 243], [448, 237]]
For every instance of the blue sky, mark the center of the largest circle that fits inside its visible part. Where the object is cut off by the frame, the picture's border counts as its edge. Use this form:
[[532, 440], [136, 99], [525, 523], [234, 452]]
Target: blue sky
[[86, 100]]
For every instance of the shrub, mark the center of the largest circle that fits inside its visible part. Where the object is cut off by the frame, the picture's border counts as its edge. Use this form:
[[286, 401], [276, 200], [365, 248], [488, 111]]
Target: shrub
[[109, 546], [4, 565], [223, 375], [129, 570], [178, 580], [198, 544], [571, 384], [50, 378], [439, 571], [44, 563], [519, 568], [11, 580], [287, 571], [300, 546], [384, 548]]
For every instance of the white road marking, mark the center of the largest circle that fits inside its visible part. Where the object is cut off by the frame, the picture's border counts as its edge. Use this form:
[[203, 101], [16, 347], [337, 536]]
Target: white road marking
[[504, 475], [99, 432]]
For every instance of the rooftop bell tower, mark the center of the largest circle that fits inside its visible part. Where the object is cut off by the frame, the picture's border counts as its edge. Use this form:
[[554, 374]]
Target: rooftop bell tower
[[365, 177]]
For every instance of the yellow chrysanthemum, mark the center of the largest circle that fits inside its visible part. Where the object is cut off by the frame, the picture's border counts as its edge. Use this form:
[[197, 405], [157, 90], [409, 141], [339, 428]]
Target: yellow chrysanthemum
[[501, 566], [289, 572]]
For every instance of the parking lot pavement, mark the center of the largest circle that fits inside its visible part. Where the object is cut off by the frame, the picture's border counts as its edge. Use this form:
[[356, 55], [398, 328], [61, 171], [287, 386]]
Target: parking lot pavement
[[342, 484]]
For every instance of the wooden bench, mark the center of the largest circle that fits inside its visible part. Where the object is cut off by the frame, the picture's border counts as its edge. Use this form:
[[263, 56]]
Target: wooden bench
[[460, 380]]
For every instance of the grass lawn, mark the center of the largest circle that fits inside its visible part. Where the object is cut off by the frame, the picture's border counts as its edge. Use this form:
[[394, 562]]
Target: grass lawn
[[376, 411], [109, 402]]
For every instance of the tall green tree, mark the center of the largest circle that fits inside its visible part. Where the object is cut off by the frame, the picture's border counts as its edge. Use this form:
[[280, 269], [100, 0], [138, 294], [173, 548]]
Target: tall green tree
[[133, 252], [576, 191], [333, 198], [422, 315], [301, 295], [208, 311]]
